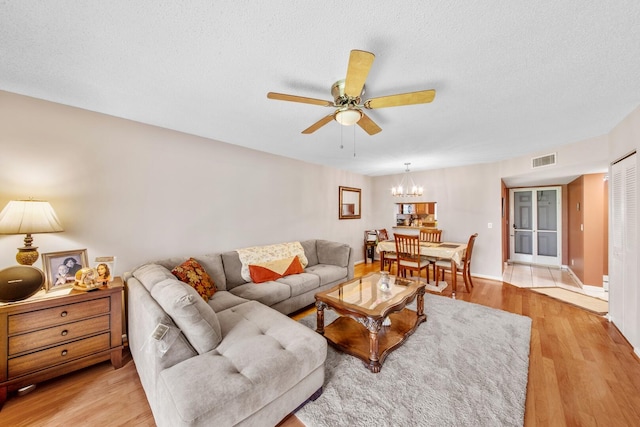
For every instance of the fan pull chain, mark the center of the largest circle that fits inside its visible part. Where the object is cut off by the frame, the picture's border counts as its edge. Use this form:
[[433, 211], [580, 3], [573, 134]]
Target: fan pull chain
[[354, 140], [341, 145]]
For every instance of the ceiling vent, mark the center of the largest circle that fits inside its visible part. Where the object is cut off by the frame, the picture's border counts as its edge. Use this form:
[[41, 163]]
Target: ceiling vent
[[546, 160]]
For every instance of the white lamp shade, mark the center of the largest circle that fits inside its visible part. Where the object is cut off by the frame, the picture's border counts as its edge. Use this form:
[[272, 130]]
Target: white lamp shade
[[27, 217]]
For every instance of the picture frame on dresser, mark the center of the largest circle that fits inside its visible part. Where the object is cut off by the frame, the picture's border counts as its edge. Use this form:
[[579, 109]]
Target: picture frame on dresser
[[105, 266], [60, 268]]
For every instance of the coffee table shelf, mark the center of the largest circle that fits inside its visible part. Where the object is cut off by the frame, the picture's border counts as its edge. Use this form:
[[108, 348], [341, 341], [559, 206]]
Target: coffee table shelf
[[360, 329]]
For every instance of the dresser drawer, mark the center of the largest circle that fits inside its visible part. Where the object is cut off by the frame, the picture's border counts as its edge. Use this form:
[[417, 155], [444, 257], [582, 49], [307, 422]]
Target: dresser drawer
[[57, 334], [40, 319], [58, 355]]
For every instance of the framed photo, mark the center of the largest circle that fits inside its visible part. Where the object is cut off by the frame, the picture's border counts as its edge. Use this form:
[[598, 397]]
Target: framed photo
[[105, 266], [60, 268]]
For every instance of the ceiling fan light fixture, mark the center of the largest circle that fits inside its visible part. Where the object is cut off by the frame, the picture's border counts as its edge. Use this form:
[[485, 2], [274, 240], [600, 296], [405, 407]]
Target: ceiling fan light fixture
[[348, 116]]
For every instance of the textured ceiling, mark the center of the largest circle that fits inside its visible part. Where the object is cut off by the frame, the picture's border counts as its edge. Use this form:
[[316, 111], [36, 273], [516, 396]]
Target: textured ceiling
[[512, 77]]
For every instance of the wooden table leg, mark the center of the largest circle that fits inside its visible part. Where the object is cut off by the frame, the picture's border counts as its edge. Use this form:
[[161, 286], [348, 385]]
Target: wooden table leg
[[454, 274], [381, 260], [420, 304], [374, 348], [320, 306]]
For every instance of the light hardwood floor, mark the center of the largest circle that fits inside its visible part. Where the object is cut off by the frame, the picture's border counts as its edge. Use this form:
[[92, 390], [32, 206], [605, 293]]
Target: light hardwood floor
[[582, 373]]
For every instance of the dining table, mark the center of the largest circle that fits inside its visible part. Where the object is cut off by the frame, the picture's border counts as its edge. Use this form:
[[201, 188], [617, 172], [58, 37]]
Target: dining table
[[441, 250]]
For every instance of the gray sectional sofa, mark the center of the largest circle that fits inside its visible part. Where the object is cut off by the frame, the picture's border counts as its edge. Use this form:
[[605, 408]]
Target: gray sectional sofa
[[236, 359]]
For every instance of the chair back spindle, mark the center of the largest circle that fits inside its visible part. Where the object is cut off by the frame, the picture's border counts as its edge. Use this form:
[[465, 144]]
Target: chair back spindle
[[430, 235]]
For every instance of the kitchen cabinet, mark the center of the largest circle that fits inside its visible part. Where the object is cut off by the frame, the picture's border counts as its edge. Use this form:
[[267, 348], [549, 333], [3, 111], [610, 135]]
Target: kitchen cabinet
[[422, 214]]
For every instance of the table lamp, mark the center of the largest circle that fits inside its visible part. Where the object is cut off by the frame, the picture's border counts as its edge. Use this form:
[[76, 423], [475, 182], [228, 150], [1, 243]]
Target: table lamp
[[28, 217]]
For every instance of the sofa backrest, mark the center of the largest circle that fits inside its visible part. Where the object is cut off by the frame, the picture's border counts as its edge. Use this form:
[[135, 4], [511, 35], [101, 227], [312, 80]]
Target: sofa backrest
[[232, 269], [340, 256], [212, 264], [225, 268], [333, 253], [310, 252]]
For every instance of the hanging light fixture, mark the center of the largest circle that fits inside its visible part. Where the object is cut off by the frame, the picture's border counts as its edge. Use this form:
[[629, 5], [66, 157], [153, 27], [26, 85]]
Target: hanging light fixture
[[407, 187]]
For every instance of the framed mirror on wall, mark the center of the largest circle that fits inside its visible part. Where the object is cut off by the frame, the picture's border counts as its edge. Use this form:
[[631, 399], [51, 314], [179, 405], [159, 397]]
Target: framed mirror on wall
[[349, 203]]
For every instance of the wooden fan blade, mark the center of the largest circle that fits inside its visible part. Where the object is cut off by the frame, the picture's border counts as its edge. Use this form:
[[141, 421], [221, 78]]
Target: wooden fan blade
[[420, 97], [317, 125], [368, 125], [294, 98], [359, 65]]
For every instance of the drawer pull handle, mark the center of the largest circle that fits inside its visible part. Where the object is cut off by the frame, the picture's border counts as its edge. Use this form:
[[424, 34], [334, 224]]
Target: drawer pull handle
[[63, 314], [64, 353], [64, 333]]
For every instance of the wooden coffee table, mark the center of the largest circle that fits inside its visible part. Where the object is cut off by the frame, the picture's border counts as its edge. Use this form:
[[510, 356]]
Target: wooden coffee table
[[363, 308]]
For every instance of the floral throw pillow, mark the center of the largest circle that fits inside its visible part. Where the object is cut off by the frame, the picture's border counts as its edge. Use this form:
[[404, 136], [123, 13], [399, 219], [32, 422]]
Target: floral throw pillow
[[194, 275]]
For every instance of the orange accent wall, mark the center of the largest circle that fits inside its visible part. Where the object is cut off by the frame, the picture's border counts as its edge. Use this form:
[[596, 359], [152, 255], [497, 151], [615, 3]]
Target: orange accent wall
[[587, 206]]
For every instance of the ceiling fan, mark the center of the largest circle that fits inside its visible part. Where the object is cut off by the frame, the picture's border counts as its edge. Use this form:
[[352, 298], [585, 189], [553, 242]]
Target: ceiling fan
[[347, 95]]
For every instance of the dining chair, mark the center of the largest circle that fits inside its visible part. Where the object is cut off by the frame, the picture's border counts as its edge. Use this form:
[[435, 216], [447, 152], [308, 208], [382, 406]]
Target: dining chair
[[434, 236], [430, 235], [370, 241], [389, 257], [408, 253], [443, 265]]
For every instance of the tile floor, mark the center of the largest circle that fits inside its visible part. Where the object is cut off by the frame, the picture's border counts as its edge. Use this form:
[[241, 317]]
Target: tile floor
[[534, 276]]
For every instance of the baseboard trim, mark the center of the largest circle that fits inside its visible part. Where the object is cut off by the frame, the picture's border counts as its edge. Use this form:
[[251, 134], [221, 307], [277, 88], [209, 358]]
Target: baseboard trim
[[576, 278]]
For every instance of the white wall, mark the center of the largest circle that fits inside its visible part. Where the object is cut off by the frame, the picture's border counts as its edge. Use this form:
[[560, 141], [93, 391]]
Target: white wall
[[141, 192], [468, 200], [573, 159]]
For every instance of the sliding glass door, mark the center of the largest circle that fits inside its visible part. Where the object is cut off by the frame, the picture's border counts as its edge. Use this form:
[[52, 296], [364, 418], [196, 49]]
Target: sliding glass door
[[535, 236]]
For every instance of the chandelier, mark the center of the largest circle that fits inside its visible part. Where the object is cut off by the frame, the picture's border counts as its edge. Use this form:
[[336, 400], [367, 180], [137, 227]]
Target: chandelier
[[407, 187]]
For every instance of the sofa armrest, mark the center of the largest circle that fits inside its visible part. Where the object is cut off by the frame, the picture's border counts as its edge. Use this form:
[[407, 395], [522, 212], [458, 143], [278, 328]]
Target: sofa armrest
[[144, 314]]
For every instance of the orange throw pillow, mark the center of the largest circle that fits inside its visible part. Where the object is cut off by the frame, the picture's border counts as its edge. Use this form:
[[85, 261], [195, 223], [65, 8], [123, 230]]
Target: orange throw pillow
[[273, 270], [194, 275]]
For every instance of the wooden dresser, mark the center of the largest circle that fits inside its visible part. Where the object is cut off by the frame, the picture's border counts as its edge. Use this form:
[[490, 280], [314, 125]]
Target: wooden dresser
[[42, 338]]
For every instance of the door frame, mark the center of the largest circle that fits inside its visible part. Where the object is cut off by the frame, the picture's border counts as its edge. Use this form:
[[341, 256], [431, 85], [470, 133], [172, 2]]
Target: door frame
[[536, 259]]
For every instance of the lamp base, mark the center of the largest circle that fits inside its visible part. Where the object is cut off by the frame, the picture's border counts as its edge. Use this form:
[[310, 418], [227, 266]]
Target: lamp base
[[27, 255]]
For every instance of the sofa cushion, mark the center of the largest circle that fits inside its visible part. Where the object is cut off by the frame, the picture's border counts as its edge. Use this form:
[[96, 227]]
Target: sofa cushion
[[328, 273], [268, 293], [333, 253], [223, 300], [301, 283], [262, 356], [197, 320], [194, 275], [272, 270], [150, 274]]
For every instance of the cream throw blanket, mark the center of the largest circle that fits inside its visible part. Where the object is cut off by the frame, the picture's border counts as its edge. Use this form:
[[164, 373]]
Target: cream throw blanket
[[262, 254]]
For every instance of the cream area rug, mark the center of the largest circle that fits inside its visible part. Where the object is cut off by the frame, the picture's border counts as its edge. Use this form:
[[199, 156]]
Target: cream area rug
[[467, 365], [587, 302]]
